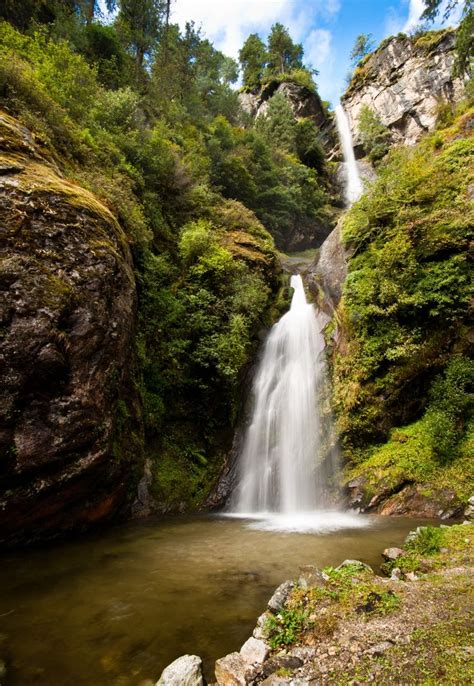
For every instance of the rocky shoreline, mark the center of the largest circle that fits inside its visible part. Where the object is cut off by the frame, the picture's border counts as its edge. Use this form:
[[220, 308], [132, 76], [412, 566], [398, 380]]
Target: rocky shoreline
[[348, 625]]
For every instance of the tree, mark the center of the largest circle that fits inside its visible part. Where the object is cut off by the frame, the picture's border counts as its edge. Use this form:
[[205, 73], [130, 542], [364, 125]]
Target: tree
[[374, 135], [465, 36], [283, 54], [90, 8], [140, 22], [252, 58], [278, 124], [363, 45]]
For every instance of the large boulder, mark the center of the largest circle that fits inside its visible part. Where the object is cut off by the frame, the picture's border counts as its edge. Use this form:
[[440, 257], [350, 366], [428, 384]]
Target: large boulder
[[184, 671], [67, 318], [403, 82]]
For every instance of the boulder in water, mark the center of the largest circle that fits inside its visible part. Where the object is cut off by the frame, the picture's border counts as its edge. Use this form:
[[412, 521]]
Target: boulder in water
[[185, 671]]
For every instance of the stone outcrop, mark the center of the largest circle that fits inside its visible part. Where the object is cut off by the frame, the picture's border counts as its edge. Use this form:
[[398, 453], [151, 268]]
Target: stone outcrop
[[403, 82], [67, 311], [304, 103], [326, 276]]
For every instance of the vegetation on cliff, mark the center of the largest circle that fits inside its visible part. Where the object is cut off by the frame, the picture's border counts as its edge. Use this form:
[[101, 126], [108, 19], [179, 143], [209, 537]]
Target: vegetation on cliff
[[143, 115], [404, 358]]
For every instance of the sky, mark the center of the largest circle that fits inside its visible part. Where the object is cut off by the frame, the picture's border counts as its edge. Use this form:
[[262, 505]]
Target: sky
[[326, 28]]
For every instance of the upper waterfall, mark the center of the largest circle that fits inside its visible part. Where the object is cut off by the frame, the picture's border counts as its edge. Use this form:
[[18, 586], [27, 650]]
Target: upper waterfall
[[354, 186]]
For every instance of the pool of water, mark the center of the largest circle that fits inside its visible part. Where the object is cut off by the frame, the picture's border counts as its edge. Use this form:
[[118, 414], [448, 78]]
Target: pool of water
[[115, 608]]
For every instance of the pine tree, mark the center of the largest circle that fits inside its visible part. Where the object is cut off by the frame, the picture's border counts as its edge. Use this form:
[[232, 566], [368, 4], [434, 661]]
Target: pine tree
[[253, 57], [283, 54]]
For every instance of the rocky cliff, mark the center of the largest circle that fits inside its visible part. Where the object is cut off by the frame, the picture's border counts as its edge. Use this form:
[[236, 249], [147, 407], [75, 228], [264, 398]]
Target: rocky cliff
[[404, 82], [66, 361]]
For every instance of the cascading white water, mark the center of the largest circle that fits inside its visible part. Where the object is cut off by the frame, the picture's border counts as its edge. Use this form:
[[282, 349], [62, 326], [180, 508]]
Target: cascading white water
[[280, 471], [353, 183], [278, 461]]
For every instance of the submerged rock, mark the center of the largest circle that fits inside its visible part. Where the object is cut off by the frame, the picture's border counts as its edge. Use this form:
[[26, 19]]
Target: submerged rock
[[184, 671]]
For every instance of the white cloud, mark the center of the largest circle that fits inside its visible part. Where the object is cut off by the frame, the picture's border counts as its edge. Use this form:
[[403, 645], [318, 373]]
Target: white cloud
[[417, 7], [415, 10], [228, 23], [317, 47]]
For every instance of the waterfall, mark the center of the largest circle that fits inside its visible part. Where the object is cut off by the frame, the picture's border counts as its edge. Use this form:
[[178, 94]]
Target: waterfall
[[277, 466], [353, 183]]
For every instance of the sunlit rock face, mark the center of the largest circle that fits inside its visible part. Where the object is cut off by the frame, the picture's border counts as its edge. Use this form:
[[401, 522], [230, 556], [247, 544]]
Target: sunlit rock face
[[67, 314], [404, 82]]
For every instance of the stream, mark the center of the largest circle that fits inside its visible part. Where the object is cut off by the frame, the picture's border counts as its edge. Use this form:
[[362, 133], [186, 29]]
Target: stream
[[116, 607]]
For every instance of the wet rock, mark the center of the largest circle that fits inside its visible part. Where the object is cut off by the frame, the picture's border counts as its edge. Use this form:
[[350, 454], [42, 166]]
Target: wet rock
[[392, 554], [412, 501], [69, 409], [311, 577], [3, 671], [184, 671], [281, 595], [326, 276], [254, 651], [231, 670]]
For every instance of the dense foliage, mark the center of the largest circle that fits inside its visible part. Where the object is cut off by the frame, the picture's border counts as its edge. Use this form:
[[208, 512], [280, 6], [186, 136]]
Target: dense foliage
[[405, 314], [144, 115]]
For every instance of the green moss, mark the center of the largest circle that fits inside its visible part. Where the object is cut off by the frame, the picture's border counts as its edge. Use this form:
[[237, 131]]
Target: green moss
[[406, 299]]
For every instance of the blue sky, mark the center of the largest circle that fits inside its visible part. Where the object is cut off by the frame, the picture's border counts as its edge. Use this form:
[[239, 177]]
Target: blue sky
[[327, 28]]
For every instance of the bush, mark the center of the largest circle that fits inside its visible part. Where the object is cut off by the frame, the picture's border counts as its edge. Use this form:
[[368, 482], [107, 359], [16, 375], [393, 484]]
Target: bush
[[374, 135]]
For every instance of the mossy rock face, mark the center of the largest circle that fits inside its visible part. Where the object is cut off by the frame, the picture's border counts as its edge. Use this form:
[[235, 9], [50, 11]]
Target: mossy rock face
[[66, 331]]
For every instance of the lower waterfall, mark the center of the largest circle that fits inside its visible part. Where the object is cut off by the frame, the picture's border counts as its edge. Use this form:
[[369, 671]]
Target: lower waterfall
[[280, 475]]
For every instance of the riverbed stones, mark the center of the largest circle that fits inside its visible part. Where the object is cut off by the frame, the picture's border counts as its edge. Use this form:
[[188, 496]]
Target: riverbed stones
[[231, 670], [260, 630], [392, 554], [184, 671], [281, 595], [254, 651]]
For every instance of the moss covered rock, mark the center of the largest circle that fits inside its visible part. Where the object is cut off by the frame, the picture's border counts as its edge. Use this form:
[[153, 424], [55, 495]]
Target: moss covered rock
[[67, 324]]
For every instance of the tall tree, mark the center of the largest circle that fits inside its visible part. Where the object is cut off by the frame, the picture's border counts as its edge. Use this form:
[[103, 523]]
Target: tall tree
[[283, 54], [253, 57], [140, 22], [363, 45]]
